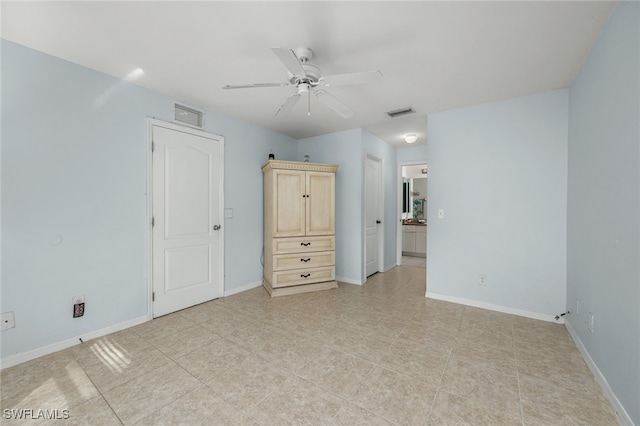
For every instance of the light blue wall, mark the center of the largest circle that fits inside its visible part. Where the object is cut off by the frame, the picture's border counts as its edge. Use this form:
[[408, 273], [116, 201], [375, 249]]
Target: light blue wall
[[348, 149], [247, 148], [343, 148], [499, 171], [603, 241], [412, 153], [74, 165]]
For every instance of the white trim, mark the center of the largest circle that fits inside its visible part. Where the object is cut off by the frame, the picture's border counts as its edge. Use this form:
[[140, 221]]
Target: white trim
[[181, 127], [240, 289], [617, 408], [348, 281], [497, 308], [16, 359], [149, 230]]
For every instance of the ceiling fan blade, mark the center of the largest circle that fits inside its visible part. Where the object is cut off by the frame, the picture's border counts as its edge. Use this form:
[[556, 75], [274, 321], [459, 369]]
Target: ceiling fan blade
[[353, 78], [288, 105], [290, 60], [341, 109], [251, 86]]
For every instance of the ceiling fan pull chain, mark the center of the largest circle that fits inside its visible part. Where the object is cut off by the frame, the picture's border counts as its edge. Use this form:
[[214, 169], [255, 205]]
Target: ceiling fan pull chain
[[309, 103]]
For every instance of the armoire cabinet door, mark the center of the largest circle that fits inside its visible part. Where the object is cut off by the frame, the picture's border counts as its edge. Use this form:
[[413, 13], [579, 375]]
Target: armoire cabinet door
[[289, 209], [320, 203]]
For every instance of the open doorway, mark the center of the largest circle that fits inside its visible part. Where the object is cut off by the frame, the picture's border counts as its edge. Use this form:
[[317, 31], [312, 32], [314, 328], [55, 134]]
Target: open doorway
[[412, 228]]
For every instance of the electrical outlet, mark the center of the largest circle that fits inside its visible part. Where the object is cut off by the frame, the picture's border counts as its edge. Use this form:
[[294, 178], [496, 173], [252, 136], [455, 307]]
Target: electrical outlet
[[483, 279], [440, 213], [228, 213], [590, 322], [78, 310], [8, 320], [78, 306]]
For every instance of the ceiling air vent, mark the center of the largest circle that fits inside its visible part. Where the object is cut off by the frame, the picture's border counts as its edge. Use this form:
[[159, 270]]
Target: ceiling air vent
[[402, 111], [188, 115]]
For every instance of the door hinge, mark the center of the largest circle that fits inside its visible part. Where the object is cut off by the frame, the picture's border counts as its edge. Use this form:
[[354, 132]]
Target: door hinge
[[153, 296], [153, 221], [153, 146]]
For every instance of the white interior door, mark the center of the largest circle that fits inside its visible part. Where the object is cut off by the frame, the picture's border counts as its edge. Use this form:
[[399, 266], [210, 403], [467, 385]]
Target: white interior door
[[372, 214], [186, 207]]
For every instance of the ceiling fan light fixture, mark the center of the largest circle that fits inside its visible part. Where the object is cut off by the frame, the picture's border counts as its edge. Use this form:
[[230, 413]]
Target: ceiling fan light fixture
[[411, 138], [303, 88]]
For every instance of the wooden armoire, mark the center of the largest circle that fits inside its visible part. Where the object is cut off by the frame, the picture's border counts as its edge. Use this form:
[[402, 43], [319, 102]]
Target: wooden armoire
[[299, 227]]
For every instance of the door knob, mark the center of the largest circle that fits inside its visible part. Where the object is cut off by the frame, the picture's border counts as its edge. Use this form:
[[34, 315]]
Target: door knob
[[216, 227], [378, 221]]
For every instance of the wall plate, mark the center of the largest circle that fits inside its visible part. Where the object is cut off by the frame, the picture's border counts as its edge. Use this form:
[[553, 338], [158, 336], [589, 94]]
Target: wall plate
[[8, 320]]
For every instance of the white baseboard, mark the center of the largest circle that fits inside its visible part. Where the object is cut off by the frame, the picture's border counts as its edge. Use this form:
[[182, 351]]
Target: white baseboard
[[621, 414], [349, 281], [16, 359], [240, 289], [497, 308]]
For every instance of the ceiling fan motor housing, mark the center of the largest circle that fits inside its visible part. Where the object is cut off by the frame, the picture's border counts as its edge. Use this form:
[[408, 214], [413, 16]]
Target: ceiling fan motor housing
[[312, 77]]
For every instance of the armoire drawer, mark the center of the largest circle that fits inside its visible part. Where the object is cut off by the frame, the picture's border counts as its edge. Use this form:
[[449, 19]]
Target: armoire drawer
[[303, 244], [283, 262], [303, 276]]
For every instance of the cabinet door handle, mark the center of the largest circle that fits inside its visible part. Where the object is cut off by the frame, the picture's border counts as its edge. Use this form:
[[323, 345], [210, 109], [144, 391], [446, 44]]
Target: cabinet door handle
[[305, 275], [305, 260], [305, 244]]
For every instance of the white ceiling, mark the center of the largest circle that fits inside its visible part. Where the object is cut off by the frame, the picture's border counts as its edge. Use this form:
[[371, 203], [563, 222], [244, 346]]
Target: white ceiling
[[435, 55]]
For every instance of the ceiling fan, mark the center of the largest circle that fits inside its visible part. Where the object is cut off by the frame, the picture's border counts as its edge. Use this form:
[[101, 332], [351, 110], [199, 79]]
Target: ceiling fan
[[307, 79]]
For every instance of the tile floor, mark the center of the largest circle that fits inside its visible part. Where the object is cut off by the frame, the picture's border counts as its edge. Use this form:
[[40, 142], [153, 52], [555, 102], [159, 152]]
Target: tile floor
[[377, 354], [419, 262]]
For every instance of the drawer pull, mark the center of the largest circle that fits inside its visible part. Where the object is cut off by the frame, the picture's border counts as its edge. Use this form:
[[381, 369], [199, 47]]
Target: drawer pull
[[305, 275], [305, 260], [305, 244]]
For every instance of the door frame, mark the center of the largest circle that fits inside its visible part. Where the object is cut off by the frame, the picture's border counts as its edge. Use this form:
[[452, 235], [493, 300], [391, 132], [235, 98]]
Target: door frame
[[151, 122], [380, 227], [399, 208]]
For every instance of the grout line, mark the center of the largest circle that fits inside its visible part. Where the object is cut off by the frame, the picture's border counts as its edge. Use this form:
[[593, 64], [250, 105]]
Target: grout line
[[515, 355], [101, 395], [384, 306]]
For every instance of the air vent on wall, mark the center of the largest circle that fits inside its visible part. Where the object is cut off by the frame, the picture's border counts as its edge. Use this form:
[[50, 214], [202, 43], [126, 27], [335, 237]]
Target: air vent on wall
[[188, 115], [402, 111]]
